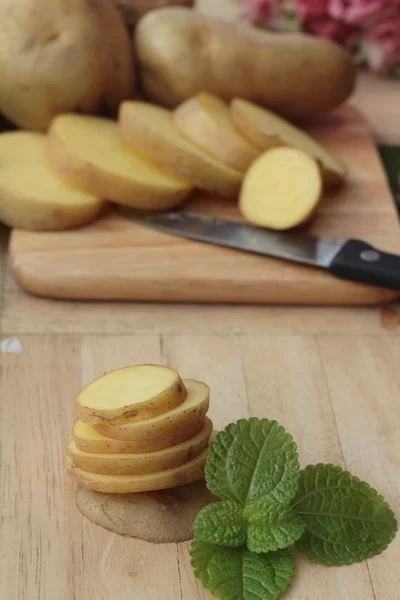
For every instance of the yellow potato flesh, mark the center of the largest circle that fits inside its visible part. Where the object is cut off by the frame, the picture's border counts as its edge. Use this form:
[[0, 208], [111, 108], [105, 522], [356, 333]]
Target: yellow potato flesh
[[206, 121], [126, 484], [281, 190], [150, 129], [134, 393], [149, 462], [267, 130], [89, 154], [185, 419], [31, 195]]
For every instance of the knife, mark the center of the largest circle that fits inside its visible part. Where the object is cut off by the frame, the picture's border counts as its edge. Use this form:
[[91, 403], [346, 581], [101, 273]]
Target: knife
[[347, 259]]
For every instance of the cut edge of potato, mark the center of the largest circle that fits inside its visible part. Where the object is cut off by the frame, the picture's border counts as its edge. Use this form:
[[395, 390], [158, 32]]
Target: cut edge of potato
[[125, 464], [206, 121], [147, 186], [282, 189], [267, 130], [110, 398], [149, 129], [171, 425], [191, 471]]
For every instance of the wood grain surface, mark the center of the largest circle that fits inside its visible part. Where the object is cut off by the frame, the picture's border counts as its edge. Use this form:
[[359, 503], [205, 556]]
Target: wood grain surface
[[330, 375], [114, 259]]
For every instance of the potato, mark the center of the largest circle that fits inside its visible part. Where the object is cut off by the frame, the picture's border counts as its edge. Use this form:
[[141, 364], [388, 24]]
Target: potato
[[127, 484], [132, 10], [149, 462], [88, 153], [31, 196], [131, 393], [206, 121], [149, 128], [160, 517], [181, 423], [88, 439], [267, 130], [62, 56], [181, 53], [281, 190]]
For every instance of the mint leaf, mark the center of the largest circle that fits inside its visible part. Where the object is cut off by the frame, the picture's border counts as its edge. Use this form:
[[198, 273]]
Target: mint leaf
[[253, 459], [346, 520], [222, 523], [271, 527], [237, 574]]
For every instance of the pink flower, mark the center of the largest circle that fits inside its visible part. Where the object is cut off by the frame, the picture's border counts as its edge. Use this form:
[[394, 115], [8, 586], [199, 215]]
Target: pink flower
[[259, 10], [363, 13], [332, 29], [381, 45], [307, 9]]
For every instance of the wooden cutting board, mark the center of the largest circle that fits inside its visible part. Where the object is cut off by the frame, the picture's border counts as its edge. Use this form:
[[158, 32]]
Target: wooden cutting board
[[113, 259]]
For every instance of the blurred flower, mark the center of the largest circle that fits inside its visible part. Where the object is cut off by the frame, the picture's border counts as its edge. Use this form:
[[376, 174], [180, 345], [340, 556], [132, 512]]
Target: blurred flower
[[381, 45]]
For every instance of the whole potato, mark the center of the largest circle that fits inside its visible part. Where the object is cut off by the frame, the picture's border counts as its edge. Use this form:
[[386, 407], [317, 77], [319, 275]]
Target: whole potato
[[182, 53], [62, 56], [132, 10]]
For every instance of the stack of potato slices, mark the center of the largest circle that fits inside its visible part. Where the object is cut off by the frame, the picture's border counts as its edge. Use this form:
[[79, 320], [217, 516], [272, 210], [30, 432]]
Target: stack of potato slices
[[138, 429]]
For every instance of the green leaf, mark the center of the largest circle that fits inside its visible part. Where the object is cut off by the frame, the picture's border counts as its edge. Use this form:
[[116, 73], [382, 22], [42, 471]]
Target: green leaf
[[253, 459], [222, 523], [237, 574], [346, 520], [271, 527]]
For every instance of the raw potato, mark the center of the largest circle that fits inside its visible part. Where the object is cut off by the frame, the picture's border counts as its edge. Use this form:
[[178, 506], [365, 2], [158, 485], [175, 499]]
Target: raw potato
[[132, 393], [62, 56], [281, 190], [31, 196], [150, 129], [159, 517], [206, 121], [178, 423], [89, 154], [182, 53], [132, 10], [127, 464], [127, 484], [267, 130]]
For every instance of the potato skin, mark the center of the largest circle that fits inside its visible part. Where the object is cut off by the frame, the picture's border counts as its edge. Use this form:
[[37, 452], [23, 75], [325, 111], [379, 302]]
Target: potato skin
[[62, 56], [181, 53]]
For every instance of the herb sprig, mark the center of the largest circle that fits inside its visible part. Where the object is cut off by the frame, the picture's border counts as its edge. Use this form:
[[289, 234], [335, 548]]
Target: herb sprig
[[267, 504]]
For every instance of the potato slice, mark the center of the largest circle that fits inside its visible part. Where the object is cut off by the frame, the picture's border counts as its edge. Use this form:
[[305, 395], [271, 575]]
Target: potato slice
[[206, 121], [131, 393], [281, 190], [267, 130], [172, 425], [150, 462], [150, 129], [31, 196], [88, 153], [127, 484]]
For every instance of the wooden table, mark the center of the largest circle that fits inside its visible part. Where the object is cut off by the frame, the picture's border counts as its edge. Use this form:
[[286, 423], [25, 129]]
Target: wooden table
[[330, 376]]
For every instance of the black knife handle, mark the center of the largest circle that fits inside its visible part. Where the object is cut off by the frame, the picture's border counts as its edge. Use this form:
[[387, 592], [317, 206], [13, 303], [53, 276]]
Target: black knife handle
[[361, 262]]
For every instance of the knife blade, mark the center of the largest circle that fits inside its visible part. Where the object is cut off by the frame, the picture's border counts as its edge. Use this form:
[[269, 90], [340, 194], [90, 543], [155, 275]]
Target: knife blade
[[351, 259]]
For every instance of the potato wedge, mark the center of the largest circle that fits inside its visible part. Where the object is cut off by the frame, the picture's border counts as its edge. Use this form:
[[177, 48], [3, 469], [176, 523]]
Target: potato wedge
[[150, 462], [150, 129], [267, 130], [281, 190], [206, 121], [174, 424], [127, 484], [132, 393], [88, 153], [31, 195]]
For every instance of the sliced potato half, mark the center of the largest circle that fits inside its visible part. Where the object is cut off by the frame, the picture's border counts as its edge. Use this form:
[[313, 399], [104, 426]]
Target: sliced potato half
[[31, 195], [150, 129], [206, 121], [267, 130], [88, 153], [126, 484], [132, 393], [172, 425], [150, 462]]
